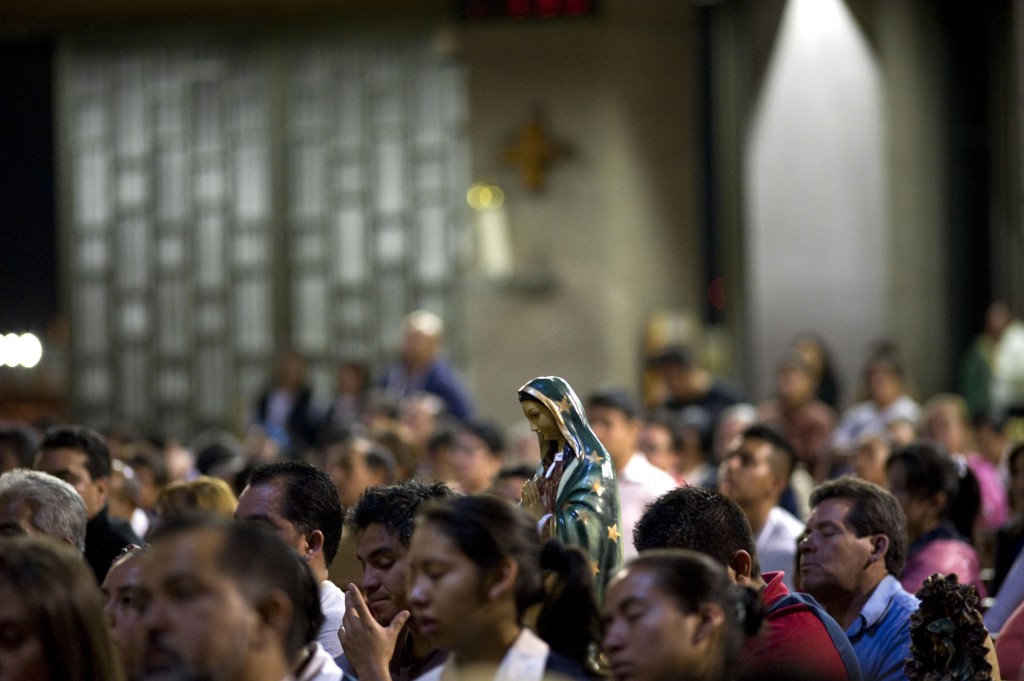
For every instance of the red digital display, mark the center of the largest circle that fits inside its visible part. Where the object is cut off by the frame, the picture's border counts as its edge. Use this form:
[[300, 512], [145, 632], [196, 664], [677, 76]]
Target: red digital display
[[524, 9]]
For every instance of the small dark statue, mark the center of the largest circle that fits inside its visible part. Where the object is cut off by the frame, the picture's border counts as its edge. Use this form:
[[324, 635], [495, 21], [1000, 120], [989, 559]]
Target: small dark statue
[[948, 641]]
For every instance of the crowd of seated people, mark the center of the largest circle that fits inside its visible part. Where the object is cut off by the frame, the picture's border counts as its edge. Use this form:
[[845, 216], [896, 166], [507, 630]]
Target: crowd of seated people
[[383, 534]]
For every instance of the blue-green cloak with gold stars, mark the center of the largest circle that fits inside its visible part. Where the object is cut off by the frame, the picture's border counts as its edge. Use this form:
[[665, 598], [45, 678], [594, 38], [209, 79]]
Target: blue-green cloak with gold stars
[[586, 509]]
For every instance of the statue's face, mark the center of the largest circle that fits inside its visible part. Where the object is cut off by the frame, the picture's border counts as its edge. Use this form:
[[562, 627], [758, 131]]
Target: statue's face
[[541, 421]]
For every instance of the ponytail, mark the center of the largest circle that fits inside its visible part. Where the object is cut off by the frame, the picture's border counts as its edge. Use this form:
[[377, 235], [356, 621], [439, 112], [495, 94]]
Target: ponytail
[[568, 620]]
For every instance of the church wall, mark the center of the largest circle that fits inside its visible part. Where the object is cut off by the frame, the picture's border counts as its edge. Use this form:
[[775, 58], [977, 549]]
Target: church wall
[[617, 225]]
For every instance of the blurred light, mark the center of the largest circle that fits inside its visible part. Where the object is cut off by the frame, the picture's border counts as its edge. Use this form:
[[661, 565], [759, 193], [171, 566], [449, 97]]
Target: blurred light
[[24, 350], [482, 196]]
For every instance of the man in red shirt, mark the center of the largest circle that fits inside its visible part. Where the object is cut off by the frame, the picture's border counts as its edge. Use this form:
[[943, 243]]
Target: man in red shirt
[[798, 632]]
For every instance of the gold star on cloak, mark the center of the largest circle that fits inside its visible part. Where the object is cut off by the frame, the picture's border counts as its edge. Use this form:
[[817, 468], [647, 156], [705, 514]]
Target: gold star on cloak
[[564, 405], [597, 487], [613, 533], [593, 566], [593, 458], [583, 516]]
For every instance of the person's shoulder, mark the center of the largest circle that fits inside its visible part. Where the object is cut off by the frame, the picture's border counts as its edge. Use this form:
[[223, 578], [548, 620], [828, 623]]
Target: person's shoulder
[[640, 469], [786, 521]]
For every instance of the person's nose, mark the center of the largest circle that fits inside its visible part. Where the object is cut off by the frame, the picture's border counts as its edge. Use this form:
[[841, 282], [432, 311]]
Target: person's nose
[[613, 636], [419, 593], [371, 579]]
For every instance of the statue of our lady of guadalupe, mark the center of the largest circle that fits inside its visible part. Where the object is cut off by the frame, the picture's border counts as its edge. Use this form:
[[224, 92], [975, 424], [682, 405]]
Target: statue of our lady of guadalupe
[[574, 495]]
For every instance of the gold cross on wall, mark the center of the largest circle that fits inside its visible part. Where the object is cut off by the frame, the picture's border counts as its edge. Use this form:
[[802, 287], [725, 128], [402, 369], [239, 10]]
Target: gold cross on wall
[[533, 152]]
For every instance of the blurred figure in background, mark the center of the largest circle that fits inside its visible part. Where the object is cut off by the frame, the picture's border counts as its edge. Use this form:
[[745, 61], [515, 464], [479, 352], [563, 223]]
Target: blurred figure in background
[[797, 413], [421, 367], [80, 456], [811, 348], [17, 446], [1010, 537], [478, 455], [351, 389], [939, 505], [887, 401], [205, 493], [869, 458], [509, 482], [672, 444], [286, 409]]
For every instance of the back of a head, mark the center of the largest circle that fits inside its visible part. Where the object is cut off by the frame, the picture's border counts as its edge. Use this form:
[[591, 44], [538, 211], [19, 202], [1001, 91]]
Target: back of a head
[[395, 506], [58, 593], [310, 499], [203, 493], [681, 518], [57, 510], [873, 510], [85, 440]]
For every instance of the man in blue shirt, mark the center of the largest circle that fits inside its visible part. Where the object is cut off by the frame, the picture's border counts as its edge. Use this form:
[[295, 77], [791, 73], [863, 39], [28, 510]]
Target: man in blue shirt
[[853, 549]]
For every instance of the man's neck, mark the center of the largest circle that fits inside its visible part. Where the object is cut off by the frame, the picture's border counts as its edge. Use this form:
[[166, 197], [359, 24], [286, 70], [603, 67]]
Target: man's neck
[[845, 607], [757, 514]]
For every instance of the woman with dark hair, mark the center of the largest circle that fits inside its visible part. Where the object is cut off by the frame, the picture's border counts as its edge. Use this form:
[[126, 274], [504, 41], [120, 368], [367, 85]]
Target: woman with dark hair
[[478, 566], [940, 500], [573, 497], [676, 614], [51, 616]]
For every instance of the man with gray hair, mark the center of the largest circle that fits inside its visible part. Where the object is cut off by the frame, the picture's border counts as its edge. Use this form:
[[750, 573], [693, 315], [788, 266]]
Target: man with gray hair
[[36, 503]]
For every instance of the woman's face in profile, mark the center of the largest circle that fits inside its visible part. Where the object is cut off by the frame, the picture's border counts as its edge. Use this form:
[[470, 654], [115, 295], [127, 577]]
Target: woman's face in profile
[[22, 657], [541, 421]]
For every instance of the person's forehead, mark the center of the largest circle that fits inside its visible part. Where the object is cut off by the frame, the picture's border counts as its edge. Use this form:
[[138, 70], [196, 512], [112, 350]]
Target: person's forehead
[[833, 510], [61, 458], [754, 446], [377, 537], [261, 499], [190, 552]]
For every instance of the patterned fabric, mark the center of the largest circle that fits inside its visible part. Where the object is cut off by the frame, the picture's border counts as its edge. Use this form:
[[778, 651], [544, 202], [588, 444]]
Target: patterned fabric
[[586, 506]]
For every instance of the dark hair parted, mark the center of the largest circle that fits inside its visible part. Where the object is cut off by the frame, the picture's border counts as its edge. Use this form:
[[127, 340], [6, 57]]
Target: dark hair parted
[[681, 518], [781, 447], [928, 470], [692, 579], [61, 600], [489, 530], [309, 499], [259, 562], [873, 510], [395, 506], [85, 440]]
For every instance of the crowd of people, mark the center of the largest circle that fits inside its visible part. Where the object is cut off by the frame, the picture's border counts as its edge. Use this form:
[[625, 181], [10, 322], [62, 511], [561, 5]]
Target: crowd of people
[[394, 534]]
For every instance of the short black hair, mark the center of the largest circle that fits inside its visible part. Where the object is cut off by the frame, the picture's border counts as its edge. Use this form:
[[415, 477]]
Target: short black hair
[[145, 457], [873, 511], [697, 519], [259, 561], [671, 423], [519, 470], [780, 445], [85, 440], [395, 506], [489, 433], [20, 442], [611, 397], [310, 499]]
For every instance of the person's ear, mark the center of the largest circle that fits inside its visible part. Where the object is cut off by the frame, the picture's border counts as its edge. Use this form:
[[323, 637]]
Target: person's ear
[[938, 502], [274, 618], [314, 544], [741, 564], [711, 618], [502, 579], [879, 547], [102, 485]]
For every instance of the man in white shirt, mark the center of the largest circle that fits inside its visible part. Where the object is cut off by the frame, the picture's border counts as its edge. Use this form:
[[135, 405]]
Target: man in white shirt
[[754, 475], [300, 503], [614, 417]]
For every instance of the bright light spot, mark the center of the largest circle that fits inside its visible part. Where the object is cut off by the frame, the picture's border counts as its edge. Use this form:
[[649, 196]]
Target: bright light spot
[[482, 196], [24, 350], [9, 350], [31, 350]]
